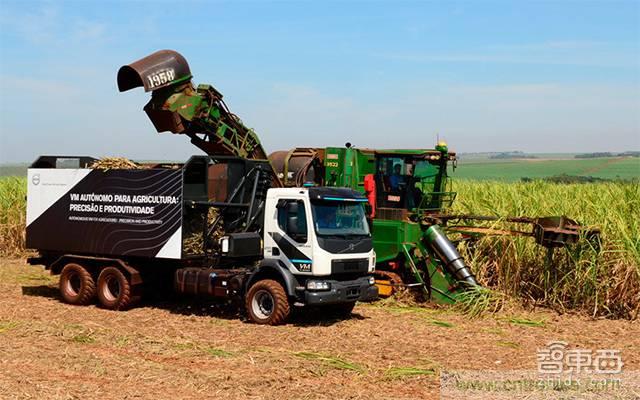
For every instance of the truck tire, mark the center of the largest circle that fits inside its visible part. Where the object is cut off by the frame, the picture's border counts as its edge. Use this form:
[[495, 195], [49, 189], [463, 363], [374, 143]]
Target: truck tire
[[267, 303], [114, 289], [77, 285]]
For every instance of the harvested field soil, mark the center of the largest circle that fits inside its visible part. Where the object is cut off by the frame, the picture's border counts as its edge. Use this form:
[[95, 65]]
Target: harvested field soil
[[174, 350]]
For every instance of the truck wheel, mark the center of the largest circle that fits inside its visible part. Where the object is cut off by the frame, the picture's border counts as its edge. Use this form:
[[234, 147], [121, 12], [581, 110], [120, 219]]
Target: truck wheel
[[114, 289], [267, 303], [77, 285]]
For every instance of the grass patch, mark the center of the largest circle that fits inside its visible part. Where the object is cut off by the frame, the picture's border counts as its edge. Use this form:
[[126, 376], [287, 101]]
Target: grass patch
[[212, 351], [184, 346], [478, 300], [35, 277], [83, 338], [7, 325], [539, 323], [122, 341], [404, 372], [512, 345], [443, 324], [330, 361]]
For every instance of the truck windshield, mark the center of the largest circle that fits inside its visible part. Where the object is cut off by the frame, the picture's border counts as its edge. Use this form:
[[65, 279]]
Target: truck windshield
[[337, 218]]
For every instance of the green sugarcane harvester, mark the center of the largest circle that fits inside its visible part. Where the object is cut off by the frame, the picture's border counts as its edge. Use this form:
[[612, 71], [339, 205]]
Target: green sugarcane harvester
[[408, 192], [407, 189]]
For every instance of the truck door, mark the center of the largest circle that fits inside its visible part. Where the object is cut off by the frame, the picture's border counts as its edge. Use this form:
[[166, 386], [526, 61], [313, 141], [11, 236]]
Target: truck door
[[291, 235]]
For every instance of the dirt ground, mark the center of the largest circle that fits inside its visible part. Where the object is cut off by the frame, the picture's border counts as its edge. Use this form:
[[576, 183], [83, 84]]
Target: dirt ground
[[169, 350]]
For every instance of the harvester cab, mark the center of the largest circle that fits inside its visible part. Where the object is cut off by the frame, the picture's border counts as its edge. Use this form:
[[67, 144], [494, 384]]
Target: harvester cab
[[413, 182]]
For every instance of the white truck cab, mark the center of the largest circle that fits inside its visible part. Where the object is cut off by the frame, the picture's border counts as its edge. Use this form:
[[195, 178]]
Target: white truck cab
[[318, 240]]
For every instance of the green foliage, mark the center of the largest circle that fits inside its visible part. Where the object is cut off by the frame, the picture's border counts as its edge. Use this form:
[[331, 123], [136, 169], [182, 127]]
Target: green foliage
[[526, 322], [330, 361], [603, 279], [403, 372], [83, 338], [13, 192], [218, 352], [440, 323], [7, 325], [479, 300]]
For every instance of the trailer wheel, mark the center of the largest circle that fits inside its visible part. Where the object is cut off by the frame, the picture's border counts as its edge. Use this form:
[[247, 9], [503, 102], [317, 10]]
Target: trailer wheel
[[114, 289], [77, 285], [267, 303]]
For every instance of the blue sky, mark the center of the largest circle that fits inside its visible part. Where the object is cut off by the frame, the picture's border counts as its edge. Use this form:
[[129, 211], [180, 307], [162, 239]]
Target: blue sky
[[538, 76]]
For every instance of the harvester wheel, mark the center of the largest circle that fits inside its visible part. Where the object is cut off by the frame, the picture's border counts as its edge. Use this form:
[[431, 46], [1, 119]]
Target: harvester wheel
[[267, 303], [77, 285], [114, 289]]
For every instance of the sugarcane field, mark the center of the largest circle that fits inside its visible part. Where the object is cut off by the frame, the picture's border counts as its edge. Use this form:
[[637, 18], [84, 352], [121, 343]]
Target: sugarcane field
[[320, 200]]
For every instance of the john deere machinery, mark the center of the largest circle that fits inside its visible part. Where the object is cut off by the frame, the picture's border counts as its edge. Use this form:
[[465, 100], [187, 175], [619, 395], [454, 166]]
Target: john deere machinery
[[409, 193]]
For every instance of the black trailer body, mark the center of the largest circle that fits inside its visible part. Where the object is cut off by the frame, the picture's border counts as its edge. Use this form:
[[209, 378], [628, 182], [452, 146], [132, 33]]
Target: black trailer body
[[109, 213], [137, 213]]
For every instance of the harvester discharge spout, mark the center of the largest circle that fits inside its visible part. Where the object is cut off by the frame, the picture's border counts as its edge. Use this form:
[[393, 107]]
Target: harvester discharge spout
[[449, 256], [155, 71], [178, 106]]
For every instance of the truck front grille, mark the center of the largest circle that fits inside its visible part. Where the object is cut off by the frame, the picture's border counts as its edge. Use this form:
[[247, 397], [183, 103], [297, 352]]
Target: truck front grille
[[358, 265]]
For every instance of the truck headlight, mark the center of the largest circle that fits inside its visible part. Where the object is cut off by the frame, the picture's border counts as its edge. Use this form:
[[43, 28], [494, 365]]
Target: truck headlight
[[318, 285], [372, 280]]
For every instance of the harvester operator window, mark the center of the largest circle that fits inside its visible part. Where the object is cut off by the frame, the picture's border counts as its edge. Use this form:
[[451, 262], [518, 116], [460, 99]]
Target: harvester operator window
[[292, 219], [393, 177]]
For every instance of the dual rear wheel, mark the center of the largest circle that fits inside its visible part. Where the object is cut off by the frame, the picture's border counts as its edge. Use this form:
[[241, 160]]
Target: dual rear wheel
[[78, 287]]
